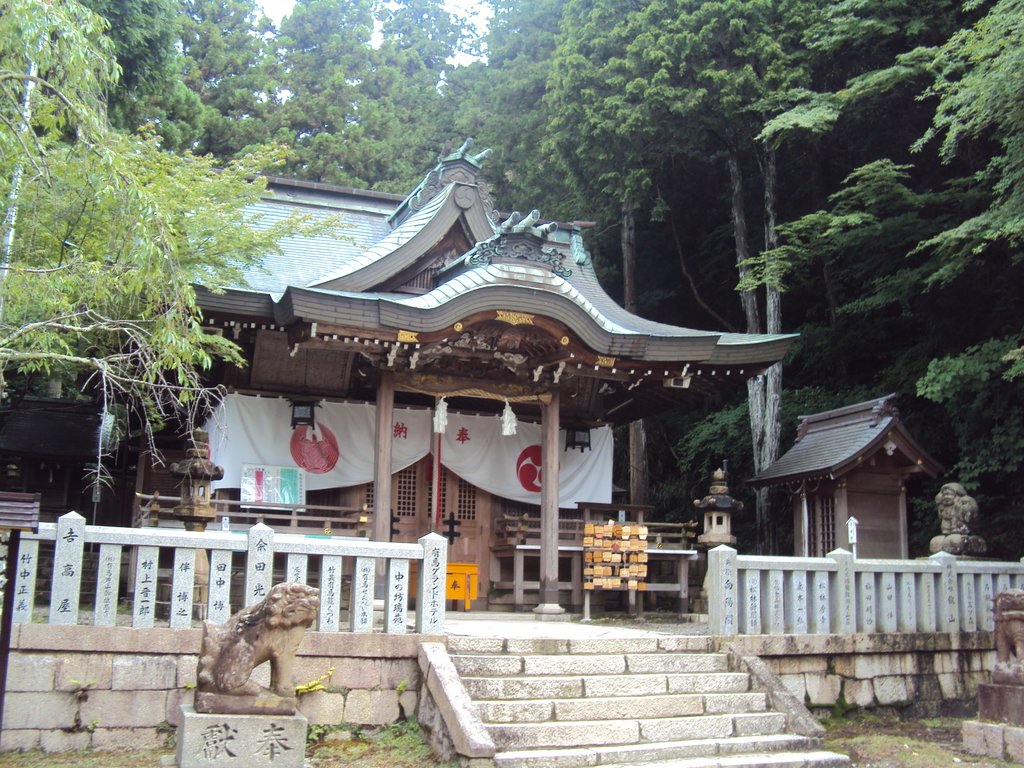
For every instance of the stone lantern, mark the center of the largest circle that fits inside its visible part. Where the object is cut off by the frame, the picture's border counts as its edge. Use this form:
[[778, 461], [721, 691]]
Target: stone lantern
[[717, 507], [197, 474]]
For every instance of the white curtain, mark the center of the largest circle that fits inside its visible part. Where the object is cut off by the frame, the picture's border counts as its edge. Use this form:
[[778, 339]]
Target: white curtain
[[340, 452]]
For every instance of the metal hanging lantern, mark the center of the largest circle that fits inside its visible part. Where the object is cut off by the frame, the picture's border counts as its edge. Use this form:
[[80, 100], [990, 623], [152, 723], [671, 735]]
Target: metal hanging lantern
[[303, 413], [577, 437]]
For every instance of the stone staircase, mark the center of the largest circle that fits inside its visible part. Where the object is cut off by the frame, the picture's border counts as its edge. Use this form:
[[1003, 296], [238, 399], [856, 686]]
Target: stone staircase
[[664, 701]]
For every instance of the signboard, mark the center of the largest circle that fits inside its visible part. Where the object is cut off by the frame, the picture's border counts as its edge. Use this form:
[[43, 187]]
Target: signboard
[[268, 484]]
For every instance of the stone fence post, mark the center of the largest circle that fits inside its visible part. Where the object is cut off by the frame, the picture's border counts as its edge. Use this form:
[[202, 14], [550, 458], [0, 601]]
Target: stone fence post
[[430, 600], [722, 581]]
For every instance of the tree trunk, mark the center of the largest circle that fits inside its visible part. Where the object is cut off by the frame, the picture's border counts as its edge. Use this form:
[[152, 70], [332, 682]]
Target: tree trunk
[[637, 438], [769, 389], [739, 233]]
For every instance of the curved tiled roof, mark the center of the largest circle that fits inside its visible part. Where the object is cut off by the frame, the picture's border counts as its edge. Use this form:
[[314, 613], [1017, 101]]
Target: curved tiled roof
[[831, 443], [335, 279]]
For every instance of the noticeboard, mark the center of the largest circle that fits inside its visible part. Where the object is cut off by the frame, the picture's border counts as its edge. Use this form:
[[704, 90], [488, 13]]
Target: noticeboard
[[615, 556], [268, 484]]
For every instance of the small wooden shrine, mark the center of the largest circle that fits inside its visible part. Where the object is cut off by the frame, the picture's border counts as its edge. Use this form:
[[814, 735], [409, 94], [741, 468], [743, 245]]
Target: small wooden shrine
[[436, 365], [851, 462]]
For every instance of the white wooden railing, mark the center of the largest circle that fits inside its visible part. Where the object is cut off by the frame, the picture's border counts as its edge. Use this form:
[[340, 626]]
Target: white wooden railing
[[752, 595], [200, 566]]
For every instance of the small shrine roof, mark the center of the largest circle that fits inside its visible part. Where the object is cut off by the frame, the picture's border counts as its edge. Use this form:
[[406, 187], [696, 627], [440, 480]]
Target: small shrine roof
[[832, 443]]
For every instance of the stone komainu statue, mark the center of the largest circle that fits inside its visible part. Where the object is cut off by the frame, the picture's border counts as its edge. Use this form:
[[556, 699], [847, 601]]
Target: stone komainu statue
[[270, 630], [1009, 618]]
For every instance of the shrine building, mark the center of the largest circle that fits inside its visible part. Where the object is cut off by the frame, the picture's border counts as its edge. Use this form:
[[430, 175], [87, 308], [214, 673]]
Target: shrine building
[[433, 365]]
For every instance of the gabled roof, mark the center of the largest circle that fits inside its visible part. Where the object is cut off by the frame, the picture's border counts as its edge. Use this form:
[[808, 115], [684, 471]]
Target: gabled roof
[[437, 285], [832, 443]]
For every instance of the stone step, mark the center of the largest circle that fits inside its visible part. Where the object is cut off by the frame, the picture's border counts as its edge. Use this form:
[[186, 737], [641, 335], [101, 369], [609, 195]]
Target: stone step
[[508, 665], [575, 686], [609, 732], [759, 750], [618, 708], [467, 644]]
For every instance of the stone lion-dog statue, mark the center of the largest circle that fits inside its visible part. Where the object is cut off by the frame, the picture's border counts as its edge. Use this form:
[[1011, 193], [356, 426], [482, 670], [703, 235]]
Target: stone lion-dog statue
[[1009, 637], [269, 630]]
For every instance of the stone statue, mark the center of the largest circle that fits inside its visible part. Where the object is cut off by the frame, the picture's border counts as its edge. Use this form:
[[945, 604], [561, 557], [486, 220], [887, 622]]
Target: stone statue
[[270, 630], [1009, 636], [958, 513]]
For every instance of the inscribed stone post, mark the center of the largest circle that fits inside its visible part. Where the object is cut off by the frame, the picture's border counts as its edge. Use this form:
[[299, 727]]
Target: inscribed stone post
[[146, 562], [67, 569], [796, 606], [259, 566], [295, 568], [821, 609], [906, 583], [397, 597], [182, 582], [988, 595], [330, 593], [867, 602], [949, 599], [219, 608], [25, 589], [107, 580], [750, 599], [430, 598], [926, 602], [723, 603], [843, 593], [888, 620], [361, 601], [968, 603]]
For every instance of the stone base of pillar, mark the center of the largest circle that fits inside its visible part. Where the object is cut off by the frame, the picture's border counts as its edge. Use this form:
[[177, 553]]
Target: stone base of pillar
[[259, 741], [550, 612]]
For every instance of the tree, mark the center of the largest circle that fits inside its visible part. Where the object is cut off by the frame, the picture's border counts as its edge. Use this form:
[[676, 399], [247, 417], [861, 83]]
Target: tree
[[107, 234], [230, 63]]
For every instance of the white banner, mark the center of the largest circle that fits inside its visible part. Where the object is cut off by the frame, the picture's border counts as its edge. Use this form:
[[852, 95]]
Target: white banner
[[339, 453], [510, 465]]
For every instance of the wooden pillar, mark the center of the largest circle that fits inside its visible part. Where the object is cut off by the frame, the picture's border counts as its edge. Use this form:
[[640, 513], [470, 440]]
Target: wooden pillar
[[549, 511], [382, 457]]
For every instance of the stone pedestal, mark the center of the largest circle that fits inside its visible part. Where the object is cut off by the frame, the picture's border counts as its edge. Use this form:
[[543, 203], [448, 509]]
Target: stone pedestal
[[999, 731], [995, 740], [257, 741], [1001, 704]]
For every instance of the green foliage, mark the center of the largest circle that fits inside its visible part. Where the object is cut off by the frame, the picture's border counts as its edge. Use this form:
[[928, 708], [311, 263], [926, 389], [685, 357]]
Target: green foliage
[[109, 234]]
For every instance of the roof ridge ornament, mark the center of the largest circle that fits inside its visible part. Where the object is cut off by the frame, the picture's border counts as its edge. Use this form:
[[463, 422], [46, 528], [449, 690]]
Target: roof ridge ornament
[[451, 167]]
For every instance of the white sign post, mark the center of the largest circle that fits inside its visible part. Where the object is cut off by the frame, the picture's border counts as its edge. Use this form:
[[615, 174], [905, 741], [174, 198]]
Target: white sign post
[[851, 534]]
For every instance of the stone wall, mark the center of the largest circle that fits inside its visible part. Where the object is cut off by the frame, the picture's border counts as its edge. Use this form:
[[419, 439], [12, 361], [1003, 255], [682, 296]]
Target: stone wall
[[70, 687], [924, 673]]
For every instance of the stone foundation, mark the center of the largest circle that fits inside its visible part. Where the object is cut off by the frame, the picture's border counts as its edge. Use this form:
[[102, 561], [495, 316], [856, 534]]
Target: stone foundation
[[925, 674], [74, 687]]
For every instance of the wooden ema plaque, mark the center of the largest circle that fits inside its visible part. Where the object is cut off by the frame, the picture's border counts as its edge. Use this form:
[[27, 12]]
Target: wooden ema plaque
[[615, 556]]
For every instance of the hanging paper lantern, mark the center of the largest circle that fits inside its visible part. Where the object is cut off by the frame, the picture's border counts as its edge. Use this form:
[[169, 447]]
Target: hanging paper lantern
[[440, 416], [508, 421]]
